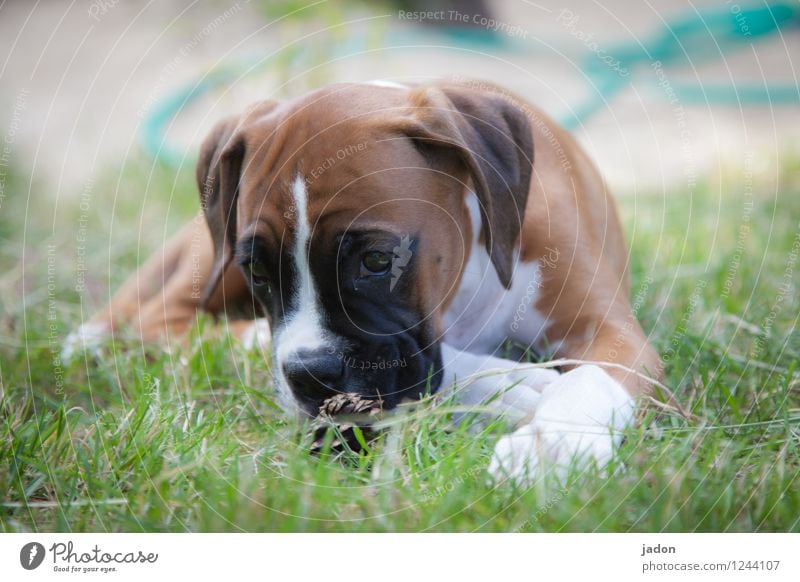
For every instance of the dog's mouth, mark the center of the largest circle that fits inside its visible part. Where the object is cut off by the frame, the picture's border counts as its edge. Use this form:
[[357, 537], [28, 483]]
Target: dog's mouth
[[310, 407], [386, 373], [361, 399]]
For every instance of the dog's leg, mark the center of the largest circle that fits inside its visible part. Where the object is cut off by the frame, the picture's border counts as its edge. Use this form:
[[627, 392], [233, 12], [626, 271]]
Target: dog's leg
[[580, 416], [161, 299], [148, 281]]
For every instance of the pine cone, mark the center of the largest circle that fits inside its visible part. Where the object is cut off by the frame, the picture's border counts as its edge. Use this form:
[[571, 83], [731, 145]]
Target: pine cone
[[356, 408], [349, 403]]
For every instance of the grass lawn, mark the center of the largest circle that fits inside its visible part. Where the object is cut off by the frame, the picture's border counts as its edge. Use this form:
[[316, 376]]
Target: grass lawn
[[139, 439]]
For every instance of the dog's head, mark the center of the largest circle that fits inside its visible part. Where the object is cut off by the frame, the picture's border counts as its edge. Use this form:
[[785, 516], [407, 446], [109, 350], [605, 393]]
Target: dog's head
[[345, 211]]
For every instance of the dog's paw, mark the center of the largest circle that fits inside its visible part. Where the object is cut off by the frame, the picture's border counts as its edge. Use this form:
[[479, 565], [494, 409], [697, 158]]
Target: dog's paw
[[88, 337], [257, 336], [539, 448], [577, 423]]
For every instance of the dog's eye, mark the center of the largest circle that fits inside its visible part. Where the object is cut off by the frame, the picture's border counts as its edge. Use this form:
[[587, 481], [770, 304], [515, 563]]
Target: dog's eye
[[258, 273], [376, 262]]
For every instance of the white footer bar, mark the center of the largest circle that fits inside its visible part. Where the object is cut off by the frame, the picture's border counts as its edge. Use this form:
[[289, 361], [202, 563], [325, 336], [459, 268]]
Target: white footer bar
[[402, 557]]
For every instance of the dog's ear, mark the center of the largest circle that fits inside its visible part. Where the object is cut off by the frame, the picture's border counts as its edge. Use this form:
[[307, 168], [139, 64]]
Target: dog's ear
[[219, 168], [491, 136]]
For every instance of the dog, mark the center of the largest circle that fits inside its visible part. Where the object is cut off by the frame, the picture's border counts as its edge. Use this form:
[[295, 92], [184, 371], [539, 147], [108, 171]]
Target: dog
[[388, 239]]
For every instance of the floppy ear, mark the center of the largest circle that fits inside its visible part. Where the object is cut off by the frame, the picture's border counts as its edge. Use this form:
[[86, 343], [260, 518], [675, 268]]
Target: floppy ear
[[491, 137], [218, 171]]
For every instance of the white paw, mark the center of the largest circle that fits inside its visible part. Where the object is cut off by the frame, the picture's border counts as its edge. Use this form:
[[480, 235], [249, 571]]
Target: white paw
[[88, 337], [578, 421], [257, 335]]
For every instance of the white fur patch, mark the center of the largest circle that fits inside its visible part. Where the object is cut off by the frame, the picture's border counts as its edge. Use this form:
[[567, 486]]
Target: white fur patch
[[578, 421], [384, 83], [257, 335], [303, 329], [484, 313], [88, 337]]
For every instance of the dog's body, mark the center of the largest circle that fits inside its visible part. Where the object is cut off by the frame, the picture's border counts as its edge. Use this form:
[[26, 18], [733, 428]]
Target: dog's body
[[394, 237]]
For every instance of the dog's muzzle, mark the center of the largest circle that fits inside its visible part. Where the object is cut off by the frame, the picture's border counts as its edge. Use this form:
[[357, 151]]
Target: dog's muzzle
[[314, 375]]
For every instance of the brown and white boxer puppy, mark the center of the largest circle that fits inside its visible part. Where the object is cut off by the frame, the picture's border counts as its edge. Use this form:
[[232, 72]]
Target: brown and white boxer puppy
[[389, 238]]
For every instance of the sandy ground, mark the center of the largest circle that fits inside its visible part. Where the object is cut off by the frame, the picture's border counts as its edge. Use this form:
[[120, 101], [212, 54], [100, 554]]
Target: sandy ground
[[78, 79]]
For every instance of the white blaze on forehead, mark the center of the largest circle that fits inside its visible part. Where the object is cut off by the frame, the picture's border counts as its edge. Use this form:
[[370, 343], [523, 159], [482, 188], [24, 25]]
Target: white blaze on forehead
[[388, 84], [303, 329]]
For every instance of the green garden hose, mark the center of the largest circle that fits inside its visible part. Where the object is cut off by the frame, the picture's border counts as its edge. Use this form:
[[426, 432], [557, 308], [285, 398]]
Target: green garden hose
[[690, 39]]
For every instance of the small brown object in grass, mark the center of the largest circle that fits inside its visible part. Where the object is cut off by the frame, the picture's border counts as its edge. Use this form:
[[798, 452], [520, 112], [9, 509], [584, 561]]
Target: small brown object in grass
[[344, 412]]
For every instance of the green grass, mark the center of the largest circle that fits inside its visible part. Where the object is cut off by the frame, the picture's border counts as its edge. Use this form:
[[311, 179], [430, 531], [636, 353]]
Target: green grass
[[139, 439]]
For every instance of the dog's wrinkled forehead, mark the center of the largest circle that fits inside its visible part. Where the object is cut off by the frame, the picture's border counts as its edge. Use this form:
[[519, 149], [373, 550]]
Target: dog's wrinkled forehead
[[337, 143]]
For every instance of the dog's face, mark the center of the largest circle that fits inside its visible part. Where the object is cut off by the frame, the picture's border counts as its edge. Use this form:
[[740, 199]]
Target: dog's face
[[348, 266], [345, 212]]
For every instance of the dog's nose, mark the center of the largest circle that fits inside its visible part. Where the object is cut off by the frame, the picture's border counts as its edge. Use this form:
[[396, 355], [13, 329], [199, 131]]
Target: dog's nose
[[314, 374]]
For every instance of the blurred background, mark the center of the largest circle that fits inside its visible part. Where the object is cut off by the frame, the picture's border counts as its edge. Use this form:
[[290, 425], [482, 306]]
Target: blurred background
[[86, 84]]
